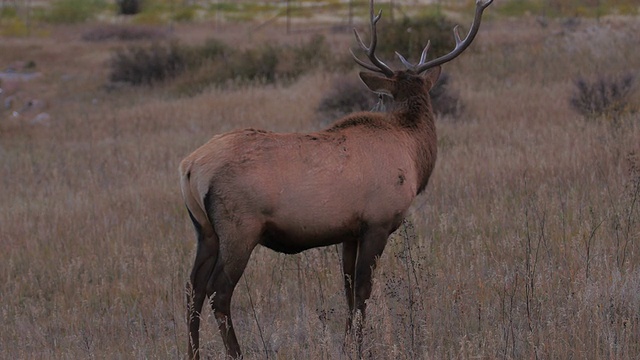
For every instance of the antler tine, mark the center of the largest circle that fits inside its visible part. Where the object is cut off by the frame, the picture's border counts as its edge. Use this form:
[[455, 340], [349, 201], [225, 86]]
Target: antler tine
[[378, 65], [423, 57], [404, 61], [461, 44]]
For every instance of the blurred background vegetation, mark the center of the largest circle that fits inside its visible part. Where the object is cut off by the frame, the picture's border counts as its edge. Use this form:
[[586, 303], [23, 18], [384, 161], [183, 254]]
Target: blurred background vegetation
[[20, 17], [408, 26]]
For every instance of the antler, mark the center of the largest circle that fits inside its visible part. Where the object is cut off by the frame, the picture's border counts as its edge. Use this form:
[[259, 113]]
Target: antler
[[461, 45], [379, 66]]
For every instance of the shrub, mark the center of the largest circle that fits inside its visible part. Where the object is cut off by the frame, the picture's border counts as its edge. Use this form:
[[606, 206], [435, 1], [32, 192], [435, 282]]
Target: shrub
[[216, 63], [256, 64], [184, 14], [274, 62], [347, 95], [146, 65], [312, 54], [13, 27], [409, 36], [8, 12], [128, 7], [444, 100], [212, 49], [73, 11], [608, 97]]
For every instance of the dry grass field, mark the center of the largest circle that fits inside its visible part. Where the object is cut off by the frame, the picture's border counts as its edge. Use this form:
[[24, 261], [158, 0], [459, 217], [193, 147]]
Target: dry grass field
[[525, 245]]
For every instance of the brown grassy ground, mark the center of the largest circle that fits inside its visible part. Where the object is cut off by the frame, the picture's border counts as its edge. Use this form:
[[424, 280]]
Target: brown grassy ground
[[526, 243]]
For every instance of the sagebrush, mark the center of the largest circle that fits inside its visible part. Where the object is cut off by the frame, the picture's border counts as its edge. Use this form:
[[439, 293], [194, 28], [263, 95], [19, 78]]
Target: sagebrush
[[607, 96], [216, 63]]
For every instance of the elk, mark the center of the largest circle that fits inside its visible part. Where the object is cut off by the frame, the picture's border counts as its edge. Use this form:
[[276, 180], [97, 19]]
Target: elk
[[349, 184]]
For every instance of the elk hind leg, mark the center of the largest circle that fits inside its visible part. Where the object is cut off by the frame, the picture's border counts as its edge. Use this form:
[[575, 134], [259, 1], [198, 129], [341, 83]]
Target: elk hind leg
[[223, 282], [221, 288], [203, 267]]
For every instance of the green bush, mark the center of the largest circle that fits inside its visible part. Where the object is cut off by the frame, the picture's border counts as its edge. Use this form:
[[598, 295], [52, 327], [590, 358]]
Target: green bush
[[73, 11], [8, 12], [13, 27], [410, 35], [184, 14]]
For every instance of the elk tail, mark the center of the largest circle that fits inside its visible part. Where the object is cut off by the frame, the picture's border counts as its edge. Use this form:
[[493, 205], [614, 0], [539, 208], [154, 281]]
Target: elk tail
[[208, 241]]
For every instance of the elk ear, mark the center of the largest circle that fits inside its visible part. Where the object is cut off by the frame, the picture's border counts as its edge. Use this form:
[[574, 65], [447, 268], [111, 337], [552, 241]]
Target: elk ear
[[378, 84], [432, 75]]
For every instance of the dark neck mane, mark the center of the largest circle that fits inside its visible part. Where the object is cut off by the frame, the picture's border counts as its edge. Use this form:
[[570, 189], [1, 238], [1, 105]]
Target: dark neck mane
[[416, 116]]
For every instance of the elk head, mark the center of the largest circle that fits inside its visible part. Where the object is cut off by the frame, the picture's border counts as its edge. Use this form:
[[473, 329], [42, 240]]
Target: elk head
[[351, 184], [388, 83]]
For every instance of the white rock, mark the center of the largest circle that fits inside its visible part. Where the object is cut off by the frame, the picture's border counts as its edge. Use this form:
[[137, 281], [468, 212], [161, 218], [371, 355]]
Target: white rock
[[41, 119]]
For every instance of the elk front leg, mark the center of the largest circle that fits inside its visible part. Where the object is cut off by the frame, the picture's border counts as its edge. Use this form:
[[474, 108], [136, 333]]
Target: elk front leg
[[349, 255], [370, 249]]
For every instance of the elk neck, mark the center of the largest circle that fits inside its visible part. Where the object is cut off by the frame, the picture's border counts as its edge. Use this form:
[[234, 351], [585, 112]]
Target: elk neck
[[414, 112], [414, 115]]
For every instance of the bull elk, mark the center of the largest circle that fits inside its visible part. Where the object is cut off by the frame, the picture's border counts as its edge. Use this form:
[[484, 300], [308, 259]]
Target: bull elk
[[351, 183]]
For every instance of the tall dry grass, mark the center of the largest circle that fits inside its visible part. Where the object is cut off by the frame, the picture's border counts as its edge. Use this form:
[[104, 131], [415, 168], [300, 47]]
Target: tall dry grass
[[526, 243]]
